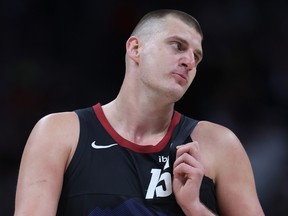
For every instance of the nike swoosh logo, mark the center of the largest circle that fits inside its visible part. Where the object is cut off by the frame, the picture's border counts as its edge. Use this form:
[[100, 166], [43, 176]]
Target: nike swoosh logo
[[93, 144]]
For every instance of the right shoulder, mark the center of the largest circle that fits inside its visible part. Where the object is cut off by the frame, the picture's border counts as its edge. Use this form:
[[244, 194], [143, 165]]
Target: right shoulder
[[56, 132], [57, 125], [58, 121], [46, 156]]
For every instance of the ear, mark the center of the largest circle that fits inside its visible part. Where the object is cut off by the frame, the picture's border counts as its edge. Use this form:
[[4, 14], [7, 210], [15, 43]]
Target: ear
[[132, 48]]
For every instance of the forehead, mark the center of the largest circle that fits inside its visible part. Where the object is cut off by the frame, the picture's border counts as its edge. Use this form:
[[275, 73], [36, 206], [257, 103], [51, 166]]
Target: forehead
[[174, 27]]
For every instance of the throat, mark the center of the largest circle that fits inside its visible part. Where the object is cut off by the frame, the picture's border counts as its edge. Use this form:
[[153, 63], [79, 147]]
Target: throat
[[149, 139]]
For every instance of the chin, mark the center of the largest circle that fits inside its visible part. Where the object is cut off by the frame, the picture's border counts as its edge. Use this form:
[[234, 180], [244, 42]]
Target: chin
[[175, 96]]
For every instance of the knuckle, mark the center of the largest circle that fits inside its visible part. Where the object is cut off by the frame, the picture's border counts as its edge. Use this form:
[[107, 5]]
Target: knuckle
[[199, 172]]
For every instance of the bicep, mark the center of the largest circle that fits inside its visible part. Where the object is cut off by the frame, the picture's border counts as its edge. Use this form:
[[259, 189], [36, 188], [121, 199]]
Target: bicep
[[43, 165], [235, 185]]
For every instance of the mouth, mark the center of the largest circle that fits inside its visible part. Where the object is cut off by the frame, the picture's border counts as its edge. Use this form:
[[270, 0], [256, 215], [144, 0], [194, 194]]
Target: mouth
[[180, 77]]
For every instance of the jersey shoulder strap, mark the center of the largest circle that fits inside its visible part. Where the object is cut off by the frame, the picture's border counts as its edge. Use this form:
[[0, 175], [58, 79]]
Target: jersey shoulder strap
[[181, 135]]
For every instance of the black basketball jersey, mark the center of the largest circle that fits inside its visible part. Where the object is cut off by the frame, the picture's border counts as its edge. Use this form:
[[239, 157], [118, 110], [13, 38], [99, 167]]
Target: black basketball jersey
[[109, 175]]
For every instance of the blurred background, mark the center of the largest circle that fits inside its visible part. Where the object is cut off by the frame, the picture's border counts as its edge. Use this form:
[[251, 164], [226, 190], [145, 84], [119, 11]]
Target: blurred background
[[63, 55]]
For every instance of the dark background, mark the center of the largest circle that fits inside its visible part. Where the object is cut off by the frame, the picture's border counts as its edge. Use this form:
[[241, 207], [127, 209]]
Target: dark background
[[62, 55]]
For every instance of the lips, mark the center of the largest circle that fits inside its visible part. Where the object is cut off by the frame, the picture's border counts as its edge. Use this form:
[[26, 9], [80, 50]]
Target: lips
[[180, 75]]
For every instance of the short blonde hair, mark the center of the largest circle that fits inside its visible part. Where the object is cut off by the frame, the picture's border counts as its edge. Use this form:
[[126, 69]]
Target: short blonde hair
[[157, 15]]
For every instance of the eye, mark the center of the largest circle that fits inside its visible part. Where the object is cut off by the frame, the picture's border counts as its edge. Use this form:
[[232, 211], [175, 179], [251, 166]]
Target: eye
[[197, 58], [177, 45]]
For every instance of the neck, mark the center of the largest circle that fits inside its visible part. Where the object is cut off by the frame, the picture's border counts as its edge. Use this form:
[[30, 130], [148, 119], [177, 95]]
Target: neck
[[137, 121]]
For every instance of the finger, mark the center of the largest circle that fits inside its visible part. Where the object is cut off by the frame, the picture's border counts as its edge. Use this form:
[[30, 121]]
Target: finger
[[188, 171], [188, 159], [190, 148]]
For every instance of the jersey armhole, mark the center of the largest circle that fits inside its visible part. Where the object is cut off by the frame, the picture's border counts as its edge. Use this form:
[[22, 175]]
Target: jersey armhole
[[81, 113]]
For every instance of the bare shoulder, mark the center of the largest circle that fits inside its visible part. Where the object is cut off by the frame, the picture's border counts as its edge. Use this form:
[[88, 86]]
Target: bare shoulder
[[215, 133], [47, 153], [217, 139], [56, 133], [226, 162], [58, 123], [58, 120]]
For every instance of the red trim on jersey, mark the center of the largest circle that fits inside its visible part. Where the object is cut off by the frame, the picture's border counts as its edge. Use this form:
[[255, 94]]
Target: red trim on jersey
[[133, 146]]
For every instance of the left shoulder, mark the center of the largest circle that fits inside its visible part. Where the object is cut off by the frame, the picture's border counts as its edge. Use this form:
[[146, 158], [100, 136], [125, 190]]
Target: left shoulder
[[226, 162], [215, 136], [215, 142]]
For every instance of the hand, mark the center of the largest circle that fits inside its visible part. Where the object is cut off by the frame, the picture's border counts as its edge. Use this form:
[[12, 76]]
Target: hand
[[188, 173]]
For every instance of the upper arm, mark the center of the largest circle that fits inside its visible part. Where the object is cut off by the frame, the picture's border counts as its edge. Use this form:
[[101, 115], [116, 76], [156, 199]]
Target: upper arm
[[44, 160], [226, 162], [234, 179]]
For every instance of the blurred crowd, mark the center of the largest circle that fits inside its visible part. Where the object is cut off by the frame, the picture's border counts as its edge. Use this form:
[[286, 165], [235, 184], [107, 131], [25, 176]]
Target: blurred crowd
[[64, 55]]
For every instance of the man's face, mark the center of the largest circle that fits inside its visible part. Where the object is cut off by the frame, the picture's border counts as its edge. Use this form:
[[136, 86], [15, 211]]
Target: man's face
[[168, 59]]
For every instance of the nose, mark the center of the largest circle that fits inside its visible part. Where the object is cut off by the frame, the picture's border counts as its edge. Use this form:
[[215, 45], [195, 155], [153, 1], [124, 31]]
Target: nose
[[188, 60]]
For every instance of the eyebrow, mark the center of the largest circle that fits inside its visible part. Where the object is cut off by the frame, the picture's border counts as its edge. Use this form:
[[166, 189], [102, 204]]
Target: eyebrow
[[197, 51]]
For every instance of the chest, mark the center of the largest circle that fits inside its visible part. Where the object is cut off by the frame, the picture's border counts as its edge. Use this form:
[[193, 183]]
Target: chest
[[116, 170]]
